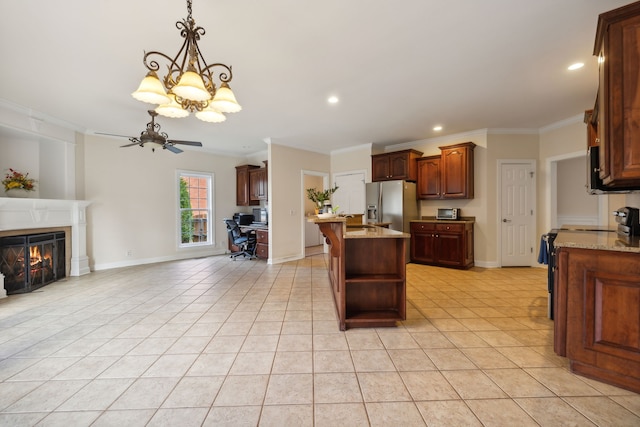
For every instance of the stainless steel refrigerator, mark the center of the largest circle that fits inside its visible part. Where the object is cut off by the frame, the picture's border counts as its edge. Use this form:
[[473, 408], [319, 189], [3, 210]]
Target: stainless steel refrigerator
[[392, 202]]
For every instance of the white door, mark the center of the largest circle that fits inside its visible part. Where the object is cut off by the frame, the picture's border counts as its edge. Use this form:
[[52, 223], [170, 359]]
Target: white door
[[350, 195], [517, 220]]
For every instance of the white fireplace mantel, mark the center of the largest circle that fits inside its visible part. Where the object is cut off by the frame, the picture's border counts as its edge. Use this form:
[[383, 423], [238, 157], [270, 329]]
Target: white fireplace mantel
[[29, 214]]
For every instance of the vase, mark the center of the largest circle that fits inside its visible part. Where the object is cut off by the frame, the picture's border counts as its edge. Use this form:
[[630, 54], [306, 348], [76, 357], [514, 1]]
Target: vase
[[17, 193]]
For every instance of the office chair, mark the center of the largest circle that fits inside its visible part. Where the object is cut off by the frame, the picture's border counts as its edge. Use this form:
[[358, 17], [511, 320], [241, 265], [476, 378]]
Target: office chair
[[246, 242]]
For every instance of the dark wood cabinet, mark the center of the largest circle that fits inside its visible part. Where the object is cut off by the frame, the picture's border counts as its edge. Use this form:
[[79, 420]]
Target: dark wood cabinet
[[447, 176], [367, 276], [597, 314], [258, 184], [262, 243], [456, 166], [617, 46], [395, 165], [243, 185], [445, 244], [428, 184]]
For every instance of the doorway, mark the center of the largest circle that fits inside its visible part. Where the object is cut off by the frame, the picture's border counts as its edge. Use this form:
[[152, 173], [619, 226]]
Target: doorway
[[312, 240], [516, 201], [350, 196]]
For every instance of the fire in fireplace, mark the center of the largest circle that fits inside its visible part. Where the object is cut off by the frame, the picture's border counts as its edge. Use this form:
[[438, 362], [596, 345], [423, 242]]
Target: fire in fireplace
[[31, 261]]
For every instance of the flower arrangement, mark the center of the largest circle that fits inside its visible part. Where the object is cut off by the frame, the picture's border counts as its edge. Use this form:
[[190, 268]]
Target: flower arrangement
[[15, 180], [319, 197]]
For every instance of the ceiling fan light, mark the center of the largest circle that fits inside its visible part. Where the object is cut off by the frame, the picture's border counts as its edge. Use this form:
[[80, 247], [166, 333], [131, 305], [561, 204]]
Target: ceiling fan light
[[225, 101], [172, 109], [151, 90], [191, 86], [211, 115]]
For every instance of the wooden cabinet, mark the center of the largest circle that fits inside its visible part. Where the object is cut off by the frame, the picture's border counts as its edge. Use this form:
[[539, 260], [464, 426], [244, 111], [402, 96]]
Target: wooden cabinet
[[456, 166], [445, 244], [597, 314], [617, 46], [395, 165], [258, 184], [447, 176], [367, 276], [243, 185], [262, 243], [428, 184]]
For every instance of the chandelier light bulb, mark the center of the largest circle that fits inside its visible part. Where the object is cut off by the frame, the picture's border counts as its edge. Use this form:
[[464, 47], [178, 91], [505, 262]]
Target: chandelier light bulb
[[191, 86], [225, 101], [211, 115], [172, 109], [151, 90]]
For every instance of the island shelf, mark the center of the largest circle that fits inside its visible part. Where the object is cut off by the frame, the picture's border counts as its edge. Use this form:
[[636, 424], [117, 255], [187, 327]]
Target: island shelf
[[367, 272]]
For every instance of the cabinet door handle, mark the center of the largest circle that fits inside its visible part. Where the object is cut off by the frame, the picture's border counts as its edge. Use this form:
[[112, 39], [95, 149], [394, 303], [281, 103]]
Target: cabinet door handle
[[506, 220]]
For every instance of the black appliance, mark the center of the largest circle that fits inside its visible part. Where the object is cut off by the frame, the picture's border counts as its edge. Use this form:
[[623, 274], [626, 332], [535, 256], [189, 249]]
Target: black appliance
[[595, 184], [243, 218], [628, 220], [547, 240]]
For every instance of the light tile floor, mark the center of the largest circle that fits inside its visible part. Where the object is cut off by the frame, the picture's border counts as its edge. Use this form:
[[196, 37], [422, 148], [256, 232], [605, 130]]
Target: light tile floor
[[213, 342]]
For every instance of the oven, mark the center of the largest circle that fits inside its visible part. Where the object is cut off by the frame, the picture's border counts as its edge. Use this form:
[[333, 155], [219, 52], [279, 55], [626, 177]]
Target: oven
[[548, 240]]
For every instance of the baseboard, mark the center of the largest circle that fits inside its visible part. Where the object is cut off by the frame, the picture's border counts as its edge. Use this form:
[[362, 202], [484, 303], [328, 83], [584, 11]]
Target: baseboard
[[143, 261]]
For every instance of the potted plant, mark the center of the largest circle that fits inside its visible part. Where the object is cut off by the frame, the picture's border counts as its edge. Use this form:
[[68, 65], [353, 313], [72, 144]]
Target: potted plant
[[319, 197], [18, 184]]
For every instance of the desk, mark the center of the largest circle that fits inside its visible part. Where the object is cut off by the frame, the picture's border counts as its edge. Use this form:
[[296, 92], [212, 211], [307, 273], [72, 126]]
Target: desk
[[262, 238]]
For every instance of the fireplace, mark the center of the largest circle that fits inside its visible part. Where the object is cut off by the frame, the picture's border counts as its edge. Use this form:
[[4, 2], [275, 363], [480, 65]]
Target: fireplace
[[31, 261]]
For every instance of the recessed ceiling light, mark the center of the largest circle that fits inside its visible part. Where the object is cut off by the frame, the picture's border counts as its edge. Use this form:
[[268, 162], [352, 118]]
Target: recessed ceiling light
[[437, 128], [333, 100], [575, 66]]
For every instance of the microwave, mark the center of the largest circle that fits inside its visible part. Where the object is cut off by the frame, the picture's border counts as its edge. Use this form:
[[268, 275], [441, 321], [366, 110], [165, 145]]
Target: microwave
[[260, 216], [448, 213]]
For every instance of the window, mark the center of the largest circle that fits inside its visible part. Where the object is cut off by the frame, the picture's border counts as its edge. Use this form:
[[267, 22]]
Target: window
[[195, 202]]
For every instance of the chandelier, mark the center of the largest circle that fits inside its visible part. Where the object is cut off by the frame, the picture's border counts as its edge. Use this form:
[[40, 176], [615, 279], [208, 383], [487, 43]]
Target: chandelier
[[189, 85]]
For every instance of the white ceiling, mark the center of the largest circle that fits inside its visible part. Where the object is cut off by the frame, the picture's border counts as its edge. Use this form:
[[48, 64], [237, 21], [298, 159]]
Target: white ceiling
[[398, 67]]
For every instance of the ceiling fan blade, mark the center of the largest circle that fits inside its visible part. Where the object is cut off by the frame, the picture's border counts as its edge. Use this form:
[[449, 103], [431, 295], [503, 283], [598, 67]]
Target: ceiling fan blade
[[130, 145], [175, 141], [112, 134], [172, 148]]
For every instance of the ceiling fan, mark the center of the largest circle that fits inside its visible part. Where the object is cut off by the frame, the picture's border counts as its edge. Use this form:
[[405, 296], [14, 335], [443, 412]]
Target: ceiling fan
[[153, 135]]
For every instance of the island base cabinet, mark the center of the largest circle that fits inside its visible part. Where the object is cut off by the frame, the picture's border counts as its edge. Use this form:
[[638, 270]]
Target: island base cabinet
[[374, 282], [597, 323], [367, 277]]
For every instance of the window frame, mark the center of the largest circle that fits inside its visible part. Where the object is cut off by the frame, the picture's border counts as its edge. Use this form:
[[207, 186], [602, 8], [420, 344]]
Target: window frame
[[209, 176]]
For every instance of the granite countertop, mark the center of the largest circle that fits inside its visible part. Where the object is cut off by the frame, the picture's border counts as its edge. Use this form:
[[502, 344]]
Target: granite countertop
[[608, 240], [363, 231], [453, 221]]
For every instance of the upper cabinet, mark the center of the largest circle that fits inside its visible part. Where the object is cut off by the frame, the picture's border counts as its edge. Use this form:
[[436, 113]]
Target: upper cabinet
[[617, 46], [428, 185], [243, 189], [395, 165], [447, 176], [258, 185]]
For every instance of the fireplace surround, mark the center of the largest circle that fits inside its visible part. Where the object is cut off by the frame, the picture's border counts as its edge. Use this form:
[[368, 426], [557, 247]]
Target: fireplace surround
[[35, 216]]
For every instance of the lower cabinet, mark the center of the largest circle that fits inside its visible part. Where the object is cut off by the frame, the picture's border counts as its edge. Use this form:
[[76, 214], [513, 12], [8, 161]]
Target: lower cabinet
[[444, 244], [262, 244], [597, 314]]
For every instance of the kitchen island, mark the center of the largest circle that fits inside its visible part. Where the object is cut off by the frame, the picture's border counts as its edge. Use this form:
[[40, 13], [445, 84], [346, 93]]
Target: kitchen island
[[367, 272], [597, 305]]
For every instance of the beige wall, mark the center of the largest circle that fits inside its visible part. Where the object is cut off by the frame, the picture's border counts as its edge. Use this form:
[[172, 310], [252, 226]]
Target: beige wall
[[574, 203], [286, 198], [133, 195], [352, 159]]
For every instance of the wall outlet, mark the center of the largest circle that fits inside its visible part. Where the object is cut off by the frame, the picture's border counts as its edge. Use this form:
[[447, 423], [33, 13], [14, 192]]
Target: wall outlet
[[129, 252]]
